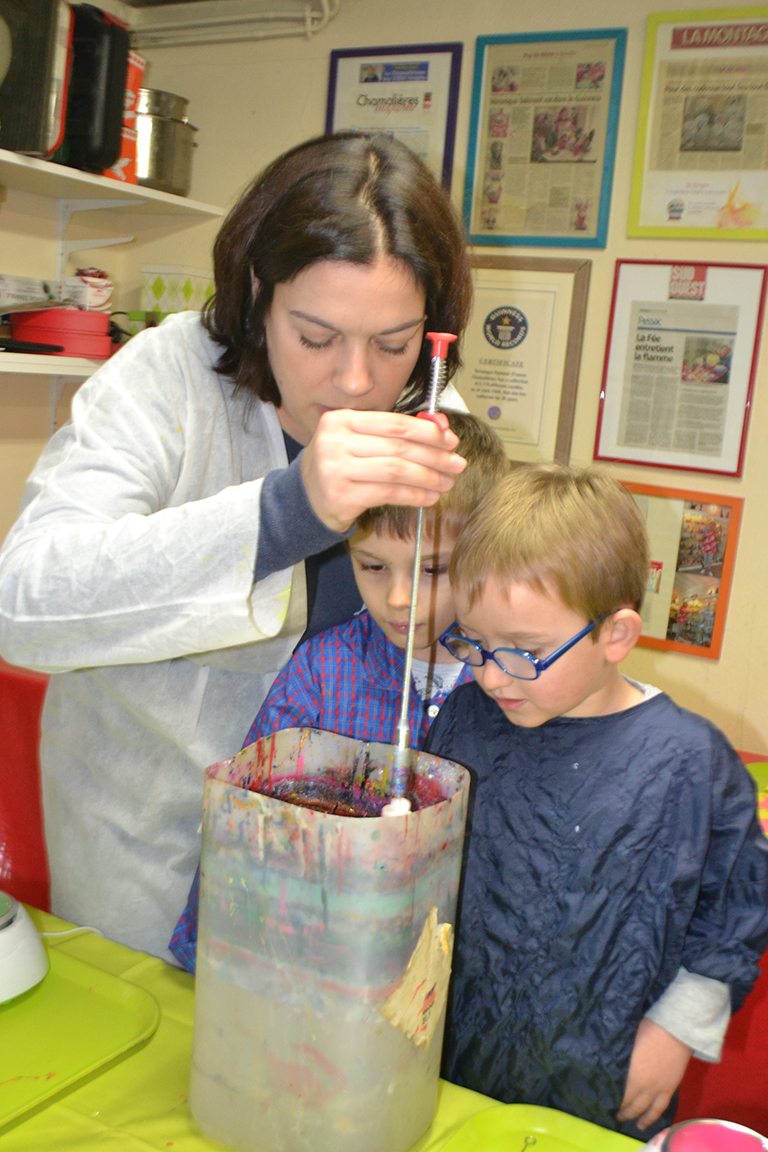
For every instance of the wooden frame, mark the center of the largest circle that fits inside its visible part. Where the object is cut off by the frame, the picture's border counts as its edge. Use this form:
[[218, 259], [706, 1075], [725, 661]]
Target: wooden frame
[[693, 537], [522, 350]]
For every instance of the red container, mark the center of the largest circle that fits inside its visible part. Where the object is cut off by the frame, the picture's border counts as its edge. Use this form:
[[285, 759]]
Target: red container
[[79, 333]]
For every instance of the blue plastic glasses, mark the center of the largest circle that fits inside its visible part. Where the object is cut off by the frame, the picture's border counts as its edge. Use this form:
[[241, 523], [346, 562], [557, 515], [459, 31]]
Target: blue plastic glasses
[[521, 665]]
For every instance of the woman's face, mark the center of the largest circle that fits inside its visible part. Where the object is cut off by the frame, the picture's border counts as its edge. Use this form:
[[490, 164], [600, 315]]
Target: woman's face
[[343, 335]]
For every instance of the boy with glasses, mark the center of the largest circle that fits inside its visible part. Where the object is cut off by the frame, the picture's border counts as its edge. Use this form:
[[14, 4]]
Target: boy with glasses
[[615, 891]]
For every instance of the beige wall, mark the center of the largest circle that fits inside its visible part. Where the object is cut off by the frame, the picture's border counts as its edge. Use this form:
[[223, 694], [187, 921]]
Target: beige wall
[[253, 100]]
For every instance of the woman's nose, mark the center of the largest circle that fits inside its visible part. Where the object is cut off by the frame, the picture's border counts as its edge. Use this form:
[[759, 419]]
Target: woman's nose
[[354, 377]]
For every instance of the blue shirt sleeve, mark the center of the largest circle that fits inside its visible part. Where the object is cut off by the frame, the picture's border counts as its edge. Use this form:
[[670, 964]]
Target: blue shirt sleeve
[[289, 529]]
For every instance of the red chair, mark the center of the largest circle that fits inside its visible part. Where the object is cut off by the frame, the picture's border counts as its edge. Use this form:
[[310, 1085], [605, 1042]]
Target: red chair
[[23, 861], [736, 1089]]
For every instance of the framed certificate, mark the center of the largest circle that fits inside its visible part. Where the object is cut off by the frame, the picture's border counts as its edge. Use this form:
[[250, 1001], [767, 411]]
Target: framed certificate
[[521, 351], [410, 92], [693, 539], [545, 111], [680, 364], [701, 155]]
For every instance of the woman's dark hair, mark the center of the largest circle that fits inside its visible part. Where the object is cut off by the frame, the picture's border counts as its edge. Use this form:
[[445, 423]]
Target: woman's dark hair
[[348, 197]]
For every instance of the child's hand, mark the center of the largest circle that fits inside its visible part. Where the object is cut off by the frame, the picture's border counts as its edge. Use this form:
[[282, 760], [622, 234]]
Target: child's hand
[[657, 1066]]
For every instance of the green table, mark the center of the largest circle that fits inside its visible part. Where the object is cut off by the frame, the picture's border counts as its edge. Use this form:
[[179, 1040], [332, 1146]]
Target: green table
[[139, 1103]]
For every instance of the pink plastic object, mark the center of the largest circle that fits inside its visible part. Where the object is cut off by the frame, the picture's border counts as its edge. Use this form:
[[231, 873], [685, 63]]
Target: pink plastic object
[[708, 1136], [440, 342]]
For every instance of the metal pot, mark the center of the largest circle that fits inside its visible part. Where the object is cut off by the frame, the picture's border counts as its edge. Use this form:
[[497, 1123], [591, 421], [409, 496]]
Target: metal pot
[[154, 102], [164, 142]]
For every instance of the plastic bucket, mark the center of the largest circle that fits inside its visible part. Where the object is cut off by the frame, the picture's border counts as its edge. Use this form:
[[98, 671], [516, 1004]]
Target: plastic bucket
[[324, 949]]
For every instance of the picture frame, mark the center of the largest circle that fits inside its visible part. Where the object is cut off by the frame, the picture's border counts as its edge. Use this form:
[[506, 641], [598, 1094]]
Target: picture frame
[[701, 165], [416, 97], [522, 349], [542, 142], [680, 364], [693, 538]]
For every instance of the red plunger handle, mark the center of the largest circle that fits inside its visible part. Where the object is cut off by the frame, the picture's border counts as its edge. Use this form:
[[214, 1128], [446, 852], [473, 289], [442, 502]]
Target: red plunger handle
[[440, 342]]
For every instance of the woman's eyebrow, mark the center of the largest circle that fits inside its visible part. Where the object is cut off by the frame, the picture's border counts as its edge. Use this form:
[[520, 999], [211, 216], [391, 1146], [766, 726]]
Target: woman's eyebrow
[[332, 327]]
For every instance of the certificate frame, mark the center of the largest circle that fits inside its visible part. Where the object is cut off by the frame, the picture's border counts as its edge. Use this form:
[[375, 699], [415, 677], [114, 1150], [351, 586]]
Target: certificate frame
[[546, 117], [422, 109], [693, 538], [699, 169], [526, 391], [680, 364]]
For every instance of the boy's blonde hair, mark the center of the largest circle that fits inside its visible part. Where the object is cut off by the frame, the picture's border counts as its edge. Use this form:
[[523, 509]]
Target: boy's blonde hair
[[487, 463], [576, 533]]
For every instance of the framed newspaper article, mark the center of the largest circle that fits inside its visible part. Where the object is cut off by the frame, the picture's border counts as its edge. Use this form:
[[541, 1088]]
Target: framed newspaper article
[[680, 364], [410, 92], [545, 111], [701, 153], [521, 351], [693, 539]]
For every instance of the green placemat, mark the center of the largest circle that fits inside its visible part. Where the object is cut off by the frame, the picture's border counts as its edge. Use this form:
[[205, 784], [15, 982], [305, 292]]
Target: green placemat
[[759, 773], [77, 1020]]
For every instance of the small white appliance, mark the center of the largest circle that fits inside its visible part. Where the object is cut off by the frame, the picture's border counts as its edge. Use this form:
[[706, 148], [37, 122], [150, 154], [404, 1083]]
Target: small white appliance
[[23, 958]]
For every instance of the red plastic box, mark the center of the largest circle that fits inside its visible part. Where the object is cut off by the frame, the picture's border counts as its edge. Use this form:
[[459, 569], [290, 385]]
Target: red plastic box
[[79, 333]]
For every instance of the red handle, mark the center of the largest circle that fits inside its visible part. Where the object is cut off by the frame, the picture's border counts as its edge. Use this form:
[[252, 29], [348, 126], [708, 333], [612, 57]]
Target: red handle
[[440, 342]]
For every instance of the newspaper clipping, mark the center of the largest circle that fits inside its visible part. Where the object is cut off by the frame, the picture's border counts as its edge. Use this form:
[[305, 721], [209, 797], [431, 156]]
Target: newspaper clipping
[[541, 138], [678, 373], [407, 97], [706, 154]]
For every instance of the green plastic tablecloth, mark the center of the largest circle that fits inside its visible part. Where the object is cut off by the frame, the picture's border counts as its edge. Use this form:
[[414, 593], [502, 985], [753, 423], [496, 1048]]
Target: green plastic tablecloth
[[140, 1102]]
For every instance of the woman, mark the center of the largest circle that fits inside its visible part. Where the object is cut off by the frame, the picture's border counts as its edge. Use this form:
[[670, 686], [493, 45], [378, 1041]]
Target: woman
[[158, 559]]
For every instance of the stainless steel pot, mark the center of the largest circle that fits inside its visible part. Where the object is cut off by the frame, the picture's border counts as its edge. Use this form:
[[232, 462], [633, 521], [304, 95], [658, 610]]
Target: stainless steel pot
[[154, 102], [164, 142]]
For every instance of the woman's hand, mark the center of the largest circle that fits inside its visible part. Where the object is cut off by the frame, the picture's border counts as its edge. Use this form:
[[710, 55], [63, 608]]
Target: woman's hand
[[657, 1066], [358, 460]]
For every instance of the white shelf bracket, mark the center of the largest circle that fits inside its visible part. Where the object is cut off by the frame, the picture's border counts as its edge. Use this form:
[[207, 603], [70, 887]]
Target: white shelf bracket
[[55, 389], [65, 248]]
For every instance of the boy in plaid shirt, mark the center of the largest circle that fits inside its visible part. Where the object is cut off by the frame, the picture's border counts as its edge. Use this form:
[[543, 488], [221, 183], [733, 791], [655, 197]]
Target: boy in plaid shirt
[[349, 678]]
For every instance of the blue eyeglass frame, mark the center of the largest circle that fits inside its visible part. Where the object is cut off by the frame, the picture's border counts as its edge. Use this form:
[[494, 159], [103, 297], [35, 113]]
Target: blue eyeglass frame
[[538, 665]]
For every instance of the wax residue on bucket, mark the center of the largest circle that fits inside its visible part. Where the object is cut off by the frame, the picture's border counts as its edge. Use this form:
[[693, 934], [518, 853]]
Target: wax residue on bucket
[[315, 916], [339, 795]]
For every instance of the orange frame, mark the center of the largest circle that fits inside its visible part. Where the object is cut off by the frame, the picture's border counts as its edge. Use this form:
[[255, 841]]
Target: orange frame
[[735, 504]]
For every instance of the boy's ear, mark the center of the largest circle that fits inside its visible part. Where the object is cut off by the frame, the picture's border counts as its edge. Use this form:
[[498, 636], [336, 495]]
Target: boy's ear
[[621, 632]]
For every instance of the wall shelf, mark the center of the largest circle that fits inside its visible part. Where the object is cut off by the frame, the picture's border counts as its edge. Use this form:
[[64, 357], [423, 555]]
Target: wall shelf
[[39, 364], [26, 174], [76, 191]]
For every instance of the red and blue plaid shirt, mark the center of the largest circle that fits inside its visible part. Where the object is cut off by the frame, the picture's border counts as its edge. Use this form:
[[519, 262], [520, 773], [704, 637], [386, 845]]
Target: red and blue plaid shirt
[[348, 679]]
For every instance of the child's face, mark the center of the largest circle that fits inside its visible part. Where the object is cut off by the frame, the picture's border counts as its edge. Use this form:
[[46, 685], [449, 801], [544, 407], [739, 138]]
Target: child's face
[[383, 567], [581, 682]]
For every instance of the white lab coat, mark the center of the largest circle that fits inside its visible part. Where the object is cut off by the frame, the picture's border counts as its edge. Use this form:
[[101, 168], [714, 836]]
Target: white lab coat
[[129, 575]]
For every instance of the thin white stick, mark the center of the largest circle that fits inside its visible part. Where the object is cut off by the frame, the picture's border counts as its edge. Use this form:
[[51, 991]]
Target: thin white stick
[[402, 745]]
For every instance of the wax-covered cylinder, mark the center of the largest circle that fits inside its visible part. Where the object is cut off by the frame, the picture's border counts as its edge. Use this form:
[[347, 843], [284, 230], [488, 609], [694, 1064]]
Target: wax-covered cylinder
[[324, 948]]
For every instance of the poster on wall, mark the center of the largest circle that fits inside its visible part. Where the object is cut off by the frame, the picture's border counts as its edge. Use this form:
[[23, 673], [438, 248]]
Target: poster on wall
[[410, 91], [693, 539], [521, 351], [680, 364], [545, 111], [701, 154]]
